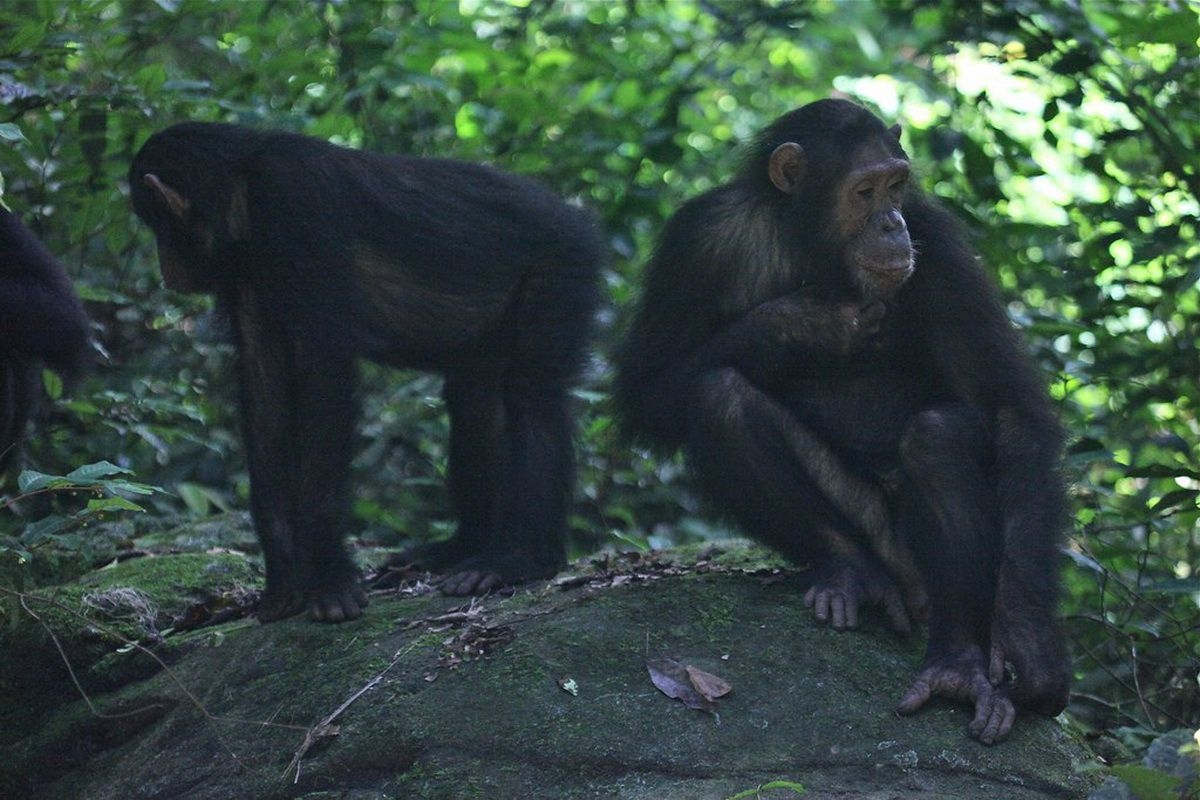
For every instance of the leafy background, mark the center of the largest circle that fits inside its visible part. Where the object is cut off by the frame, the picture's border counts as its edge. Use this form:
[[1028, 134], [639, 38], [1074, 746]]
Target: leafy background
[[1065, 133]]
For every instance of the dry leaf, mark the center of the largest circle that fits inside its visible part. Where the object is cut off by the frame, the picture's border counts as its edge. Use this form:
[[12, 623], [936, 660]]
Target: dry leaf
[[693, 687], [709, 686]]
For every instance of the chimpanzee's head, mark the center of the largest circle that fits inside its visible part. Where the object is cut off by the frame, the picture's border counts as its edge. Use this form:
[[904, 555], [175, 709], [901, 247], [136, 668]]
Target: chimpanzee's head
[[183, 184], [850, 177]]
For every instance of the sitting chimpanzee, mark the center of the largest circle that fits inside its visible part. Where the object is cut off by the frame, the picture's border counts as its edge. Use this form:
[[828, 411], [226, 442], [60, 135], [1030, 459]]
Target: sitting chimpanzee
[[41, 322], [321, 254], [820, 341]]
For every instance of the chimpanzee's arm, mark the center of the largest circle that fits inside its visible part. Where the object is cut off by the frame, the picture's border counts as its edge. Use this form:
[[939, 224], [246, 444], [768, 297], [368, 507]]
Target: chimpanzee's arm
[[766, 345], [677, 363], [298, 417], [39, 313], [721, 292], [789, 488]]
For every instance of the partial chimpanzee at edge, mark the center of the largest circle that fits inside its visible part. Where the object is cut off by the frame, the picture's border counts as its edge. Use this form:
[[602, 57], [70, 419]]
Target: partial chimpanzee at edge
[[41, 322], [820, 341], [321, 254]]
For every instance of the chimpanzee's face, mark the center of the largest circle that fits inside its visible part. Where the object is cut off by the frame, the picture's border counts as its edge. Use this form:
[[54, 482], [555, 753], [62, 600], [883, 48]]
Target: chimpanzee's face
[[184, 244], [868, 220], [178, 274]]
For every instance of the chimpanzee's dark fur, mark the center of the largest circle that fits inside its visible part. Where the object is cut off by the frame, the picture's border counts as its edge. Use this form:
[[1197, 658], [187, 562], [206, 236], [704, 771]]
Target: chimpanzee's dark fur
[[322, 254], [852, 415]]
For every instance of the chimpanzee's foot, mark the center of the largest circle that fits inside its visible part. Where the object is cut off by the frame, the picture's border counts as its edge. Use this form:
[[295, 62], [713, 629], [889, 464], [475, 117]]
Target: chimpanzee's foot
[[471, 582], [962, 674], [337, 602], [483, 574], [435, 556], [279, 604], [841, 585]]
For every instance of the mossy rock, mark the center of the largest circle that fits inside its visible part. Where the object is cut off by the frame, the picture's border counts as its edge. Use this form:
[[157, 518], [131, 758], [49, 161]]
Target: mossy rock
[[430, 697], [92, 624]]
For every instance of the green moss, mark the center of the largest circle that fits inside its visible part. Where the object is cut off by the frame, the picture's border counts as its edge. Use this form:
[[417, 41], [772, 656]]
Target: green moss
[[167, 583], [520, 666]]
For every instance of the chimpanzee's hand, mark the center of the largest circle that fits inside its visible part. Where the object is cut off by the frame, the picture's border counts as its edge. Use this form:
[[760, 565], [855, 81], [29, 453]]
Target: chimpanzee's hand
[[841, 585], [860, 324], [961, 674], [1031, 641], [796, 321]]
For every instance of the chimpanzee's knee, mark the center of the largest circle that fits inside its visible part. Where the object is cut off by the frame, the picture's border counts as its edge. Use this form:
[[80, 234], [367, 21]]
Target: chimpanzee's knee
[[943, 436], [721, 399]]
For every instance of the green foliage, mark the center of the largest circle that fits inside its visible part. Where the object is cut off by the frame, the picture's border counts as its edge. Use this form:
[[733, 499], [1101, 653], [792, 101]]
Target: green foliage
[[1064, 133], [770, 789], [1147, 783], [107, 493]]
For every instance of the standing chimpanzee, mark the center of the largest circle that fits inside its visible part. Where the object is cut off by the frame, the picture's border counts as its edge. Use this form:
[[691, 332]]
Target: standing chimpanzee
[[321, 254], [41, 321], [858, 398]]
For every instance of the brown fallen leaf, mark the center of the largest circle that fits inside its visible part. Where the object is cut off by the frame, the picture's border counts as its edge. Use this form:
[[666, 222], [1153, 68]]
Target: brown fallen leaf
[[694, 687], [708, 685]]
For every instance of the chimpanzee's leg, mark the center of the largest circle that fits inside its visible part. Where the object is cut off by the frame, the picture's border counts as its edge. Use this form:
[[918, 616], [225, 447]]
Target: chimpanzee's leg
[[949, 515], [475, 473], [785, 487], [944, 454], [322, 426], [543, 340], [18, 380], [535, 473]]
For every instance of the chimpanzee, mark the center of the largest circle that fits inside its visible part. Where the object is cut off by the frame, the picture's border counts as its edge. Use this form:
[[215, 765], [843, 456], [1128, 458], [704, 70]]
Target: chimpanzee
[[41, 322], [321, 254], [820, 341]]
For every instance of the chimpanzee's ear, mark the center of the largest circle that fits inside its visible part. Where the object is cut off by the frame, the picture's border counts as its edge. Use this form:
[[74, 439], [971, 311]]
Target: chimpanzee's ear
[[895, 131], [787, 166], [176, 203]]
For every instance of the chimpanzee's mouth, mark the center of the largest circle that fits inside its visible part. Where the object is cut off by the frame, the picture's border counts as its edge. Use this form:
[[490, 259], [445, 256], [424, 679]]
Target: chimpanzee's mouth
[[895, 270]]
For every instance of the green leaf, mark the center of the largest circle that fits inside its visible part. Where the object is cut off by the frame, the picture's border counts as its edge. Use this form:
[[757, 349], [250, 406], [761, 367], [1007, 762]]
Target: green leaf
[[27, 37], [465, 122], [1173, 586], [43, 529], [556, 57], [11, 132], [52, 383], [112, 504], [634, 542], [1147, 783], [201, 499], [129, 486], [14, 552], [30, 481], [194, 497], [1179, 497], [93, 472], [770, 786], [1161, 471], [628, 94]]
